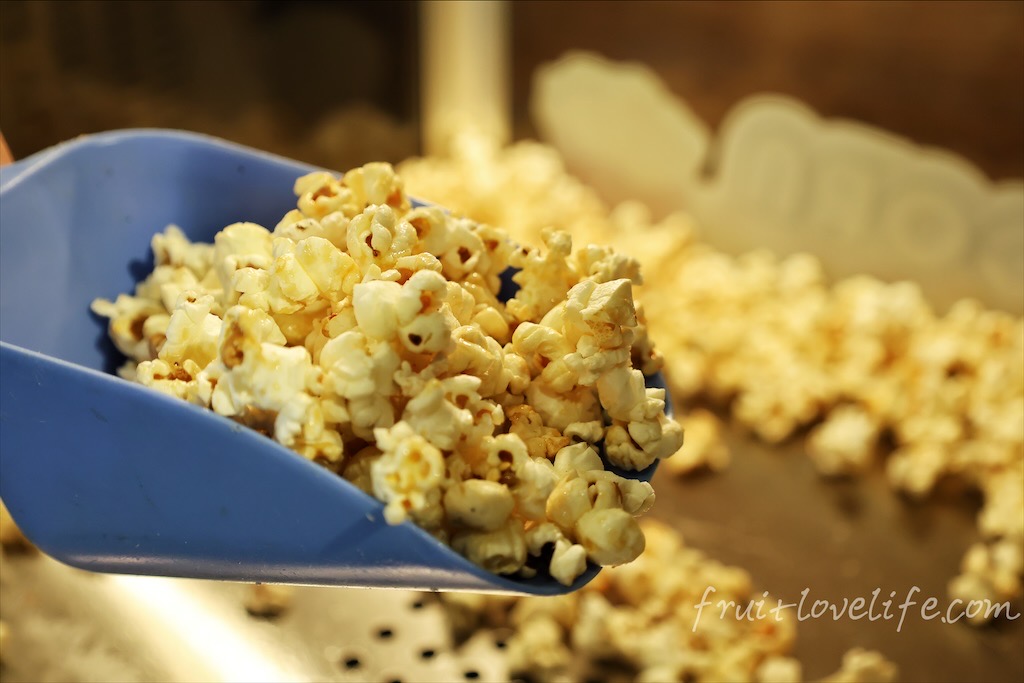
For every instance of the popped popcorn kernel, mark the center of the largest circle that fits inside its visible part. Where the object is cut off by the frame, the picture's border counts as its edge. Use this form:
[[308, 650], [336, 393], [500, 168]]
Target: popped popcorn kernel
[[408, 469], [502, 551], [479, 504], [768, 339], [861, 666], [368, 337], [703, 444], [268, 600], [641, 618], [845, 442]]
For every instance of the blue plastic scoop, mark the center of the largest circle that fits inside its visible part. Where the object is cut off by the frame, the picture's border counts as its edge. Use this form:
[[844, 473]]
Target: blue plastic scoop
[[110, 476]]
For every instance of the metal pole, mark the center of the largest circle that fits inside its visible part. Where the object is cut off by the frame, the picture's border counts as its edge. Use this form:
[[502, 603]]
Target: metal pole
[[464, 74]]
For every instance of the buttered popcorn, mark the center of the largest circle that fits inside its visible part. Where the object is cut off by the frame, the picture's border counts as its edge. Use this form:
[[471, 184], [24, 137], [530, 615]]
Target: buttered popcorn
[[368, 336], [861, 365], [642, 621]]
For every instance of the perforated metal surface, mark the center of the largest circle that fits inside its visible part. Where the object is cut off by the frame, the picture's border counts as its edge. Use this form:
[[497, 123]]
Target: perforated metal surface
[[68, 625]]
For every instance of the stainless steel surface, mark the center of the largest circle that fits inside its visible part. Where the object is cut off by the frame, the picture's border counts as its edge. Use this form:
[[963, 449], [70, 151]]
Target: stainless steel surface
[[70, 626]]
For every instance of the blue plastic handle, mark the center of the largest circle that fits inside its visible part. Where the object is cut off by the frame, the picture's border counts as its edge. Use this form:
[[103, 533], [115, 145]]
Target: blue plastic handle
[[107, 475]]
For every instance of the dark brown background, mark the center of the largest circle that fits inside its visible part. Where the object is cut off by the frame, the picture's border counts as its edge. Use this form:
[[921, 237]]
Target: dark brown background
[[336, 83], [941, 73]]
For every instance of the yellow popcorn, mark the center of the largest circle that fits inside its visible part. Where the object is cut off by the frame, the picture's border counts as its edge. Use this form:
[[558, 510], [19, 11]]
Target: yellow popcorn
[[166, 284], [502, 551], [11, 537], [703, 445], [775, 344], [268, 599], [377, 238], [320, 194], [779, 670], [192, 331], [534, 480], [241, 245], [177, 379], [368, 336], [173, 248], [406, 473], [432, 413], [863, 666], [128, 316], [479, 504], [357, 367], [642, 617], [539, 648], [544, 278], [845, 442], [376, 183]]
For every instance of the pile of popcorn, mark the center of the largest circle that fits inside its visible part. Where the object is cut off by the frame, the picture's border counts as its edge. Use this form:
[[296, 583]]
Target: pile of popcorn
[[11, 540], [643, 617], [367, 335], [860, 363]]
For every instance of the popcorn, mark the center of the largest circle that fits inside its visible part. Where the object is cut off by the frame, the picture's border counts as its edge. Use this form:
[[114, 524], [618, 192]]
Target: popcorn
[[11, 537], [357, 469], [845, 442], [310, 269], [166, 284], [479, 504], [779, 670], [408, 470], [579, 405], [368, 337], [535, 479], [173, 248], [863, 666], [568, 502], [915, 469], [241, 245], [541, 441], [178, 380], [478, 354], [376, 183], [767, 338], [640, 618], [253, 367], [377, 238], [357, 367], [301, 426], [268, 599], [703, 445], [610, 535], [502, 551], [568, 559], [544, 278], [539, 647], [578, 458], [321, 194], [192, 331], [128, 316], [437, 418]]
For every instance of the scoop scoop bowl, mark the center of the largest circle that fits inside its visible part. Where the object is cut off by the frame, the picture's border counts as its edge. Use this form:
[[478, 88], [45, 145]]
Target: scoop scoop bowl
[[110, 476]]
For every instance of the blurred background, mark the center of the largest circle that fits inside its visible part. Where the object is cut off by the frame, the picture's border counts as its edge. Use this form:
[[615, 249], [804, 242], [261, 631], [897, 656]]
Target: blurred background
[[338, 84]]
